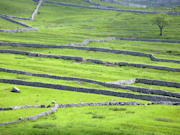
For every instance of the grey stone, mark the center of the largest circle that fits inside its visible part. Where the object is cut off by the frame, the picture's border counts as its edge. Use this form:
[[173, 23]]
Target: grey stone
[[43, 106], [53, 102], [48, 106], [16, 90]]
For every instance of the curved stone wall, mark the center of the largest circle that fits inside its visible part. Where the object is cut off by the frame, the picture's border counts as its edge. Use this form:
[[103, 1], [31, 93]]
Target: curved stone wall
[[56, 106]]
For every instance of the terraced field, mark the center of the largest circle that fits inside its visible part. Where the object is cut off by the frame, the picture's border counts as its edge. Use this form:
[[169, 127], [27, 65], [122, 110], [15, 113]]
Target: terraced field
[[87, 67]]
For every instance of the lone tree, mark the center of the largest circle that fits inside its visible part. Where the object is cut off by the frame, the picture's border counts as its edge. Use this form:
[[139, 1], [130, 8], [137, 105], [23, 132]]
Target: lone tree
[[162, 20]]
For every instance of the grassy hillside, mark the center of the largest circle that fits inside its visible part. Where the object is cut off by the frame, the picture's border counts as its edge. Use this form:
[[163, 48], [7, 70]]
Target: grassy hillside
[[60, 25]]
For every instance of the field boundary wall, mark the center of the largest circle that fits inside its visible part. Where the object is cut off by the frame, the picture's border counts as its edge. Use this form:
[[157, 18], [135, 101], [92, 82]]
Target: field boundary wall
[[111, 84], [90, 90]]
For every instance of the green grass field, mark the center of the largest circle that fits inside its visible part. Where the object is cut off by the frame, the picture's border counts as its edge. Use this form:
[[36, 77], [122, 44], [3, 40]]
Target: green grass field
[[60, 25]]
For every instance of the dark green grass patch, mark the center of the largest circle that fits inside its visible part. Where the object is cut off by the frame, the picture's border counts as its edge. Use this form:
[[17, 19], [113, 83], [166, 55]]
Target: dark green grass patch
[[99, 116], [163, 119], [118, 109], [44, 125]]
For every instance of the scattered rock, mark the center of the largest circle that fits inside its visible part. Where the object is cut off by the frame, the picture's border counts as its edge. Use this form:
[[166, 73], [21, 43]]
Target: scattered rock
[[15, 89], [43, 106], [48, 106], [53, 102]]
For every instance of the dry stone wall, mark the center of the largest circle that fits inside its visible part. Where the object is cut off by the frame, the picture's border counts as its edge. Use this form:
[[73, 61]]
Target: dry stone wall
[[56, 106], [164, 103], [41, 55], [18, 107], [158, 82], [18, 30], [90, 60], [112, 84], [36, 10], [90, 40], [13, 21], [135, 65], [125, 4], [90, 90], [28, 28], [7, 16], [97, 4], [150, 40], [112, 9], [16, 22], [35, 117], [90, 49]]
